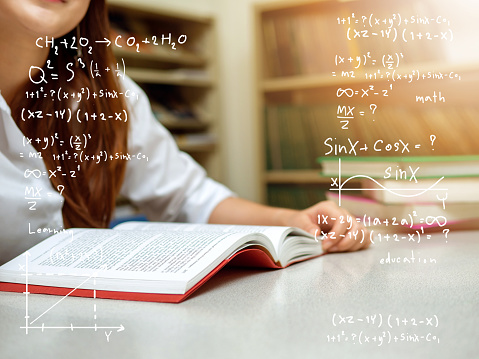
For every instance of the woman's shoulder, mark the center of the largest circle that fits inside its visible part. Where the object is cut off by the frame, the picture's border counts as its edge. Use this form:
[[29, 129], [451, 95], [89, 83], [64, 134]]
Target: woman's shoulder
[[137, 102], [143, 124]]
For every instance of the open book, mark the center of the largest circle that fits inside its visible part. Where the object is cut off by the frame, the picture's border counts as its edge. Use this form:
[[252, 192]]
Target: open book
[[162, 262]]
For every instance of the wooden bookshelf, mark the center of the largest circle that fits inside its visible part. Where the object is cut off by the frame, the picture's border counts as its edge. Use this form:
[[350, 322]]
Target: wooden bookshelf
[[179, 79], [165, 77], [301, 82], [188, 147], [297, 43], [163, 57], [296, 176]]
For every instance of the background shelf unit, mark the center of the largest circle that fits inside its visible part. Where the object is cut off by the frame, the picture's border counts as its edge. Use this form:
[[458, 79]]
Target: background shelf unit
[[297, 43], [181, 81]]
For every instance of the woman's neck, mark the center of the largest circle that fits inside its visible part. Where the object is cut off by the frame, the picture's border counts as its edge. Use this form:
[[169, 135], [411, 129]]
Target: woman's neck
[[17, 55]]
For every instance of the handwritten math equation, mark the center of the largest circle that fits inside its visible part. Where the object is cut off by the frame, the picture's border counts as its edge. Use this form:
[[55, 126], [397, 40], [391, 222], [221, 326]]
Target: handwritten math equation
[[379, 339], [83, 94], [383, 63], [378, 320], [396, 27], [75, 148], [39, 75], [69, 115], [411, 329], [377, 236], [385, 54]]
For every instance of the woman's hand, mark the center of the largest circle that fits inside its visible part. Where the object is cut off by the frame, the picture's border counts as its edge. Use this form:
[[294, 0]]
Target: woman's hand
[[343, 231]]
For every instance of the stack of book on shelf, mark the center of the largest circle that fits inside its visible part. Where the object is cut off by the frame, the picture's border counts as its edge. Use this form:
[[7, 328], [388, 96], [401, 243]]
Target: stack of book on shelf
[[297, 196], [293, 44], [435, 190], [187, 124], [174, 111], [292, 135], [295, 135], [171, 117], [195, 140]]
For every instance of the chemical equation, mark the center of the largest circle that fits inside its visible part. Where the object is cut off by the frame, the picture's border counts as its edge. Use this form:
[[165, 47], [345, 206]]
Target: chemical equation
[[119, 41]]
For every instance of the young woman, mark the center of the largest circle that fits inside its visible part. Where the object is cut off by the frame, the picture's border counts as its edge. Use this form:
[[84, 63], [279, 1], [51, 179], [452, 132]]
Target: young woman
[[47, 124]]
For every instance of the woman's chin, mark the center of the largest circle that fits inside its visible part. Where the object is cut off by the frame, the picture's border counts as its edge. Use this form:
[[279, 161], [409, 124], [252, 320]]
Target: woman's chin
[[52, 18]]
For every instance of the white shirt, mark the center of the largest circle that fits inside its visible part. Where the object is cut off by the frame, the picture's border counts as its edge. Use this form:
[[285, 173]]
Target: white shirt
[[170, 186]]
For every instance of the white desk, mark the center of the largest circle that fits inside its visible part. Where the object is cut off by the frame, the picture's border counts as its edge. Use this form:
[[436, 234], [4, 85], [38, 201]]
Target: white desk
[[277, 314]]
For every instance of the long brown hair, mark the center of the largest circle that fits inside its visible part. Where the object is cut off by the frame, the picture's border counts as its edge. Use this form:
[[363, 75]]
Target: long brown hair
[[90, 195]]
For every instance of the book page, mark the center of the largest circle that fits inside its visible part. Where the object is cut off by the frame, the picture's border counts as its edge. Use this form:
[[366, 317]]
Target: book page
[[276, 234], [130, 255]]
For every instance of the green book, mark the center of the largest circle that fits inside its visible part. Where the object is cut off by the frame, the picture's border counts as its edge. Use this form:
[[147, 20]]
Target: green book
[[395, 167]]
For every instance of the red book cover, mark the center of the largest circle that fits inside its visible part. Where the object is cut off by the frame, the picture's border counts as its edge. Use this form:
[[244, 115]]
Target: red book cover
[[252, 257]]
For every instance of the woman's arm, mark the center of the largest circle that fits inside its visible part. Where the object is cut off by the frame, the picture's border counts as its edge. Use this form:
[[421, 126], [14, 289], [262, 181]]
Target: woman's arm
[[170, 186], [341, 233]]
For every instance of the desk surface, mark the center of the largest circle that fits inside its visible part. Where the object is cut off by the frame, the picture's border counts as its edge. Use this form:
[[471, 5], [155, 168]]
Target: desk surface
[[286, 313]]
